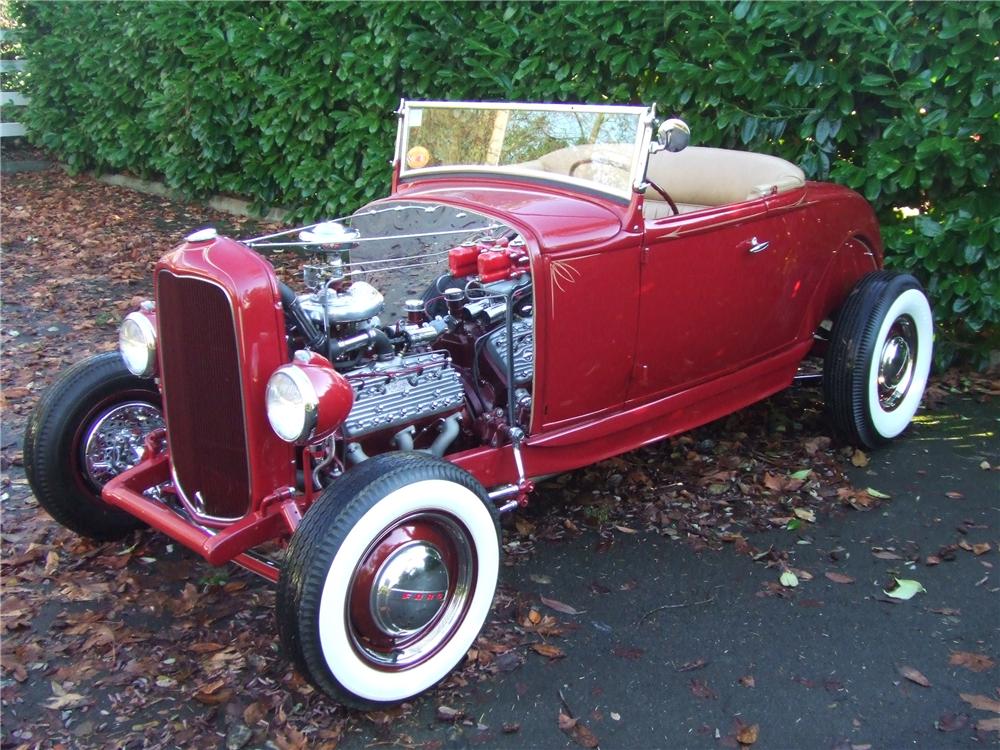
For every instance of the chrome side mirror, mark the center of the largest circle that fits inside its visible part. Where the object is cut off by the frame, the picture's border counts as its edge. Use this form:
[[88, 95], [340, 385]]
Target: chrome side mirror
[[673, 135]]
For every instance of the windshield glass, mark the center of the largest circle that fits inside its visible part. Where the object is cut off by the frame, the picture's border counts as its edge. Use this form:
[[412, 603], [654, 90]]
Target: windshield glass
[[593, 146]]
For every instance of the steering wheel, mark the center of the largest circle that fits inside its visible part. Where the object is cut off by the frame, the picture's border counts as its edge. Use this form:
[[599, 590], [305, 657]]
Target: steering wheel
[[573, 167], [667, 198]]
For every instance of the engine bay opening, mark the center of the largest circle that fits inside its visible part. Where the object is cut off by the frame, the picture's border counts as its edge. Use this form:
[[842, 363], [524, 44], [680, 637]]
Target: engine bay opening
[[427, 311]]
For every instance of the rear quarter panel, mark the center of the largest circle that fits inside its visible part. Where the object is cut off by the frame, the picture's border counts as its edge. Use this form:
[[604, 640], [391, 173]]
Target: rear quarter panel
[[836, 241]]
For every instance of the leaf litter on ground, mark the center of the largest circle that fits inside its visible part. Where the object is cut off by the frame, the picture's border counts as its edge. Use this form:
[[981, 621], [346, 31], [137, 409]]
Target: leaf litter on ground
[[78, 256]]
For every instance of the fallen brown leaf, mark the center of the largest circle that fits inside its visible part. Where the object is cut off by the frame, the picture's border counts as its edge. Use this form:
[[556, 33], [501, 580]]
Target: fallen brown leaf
[[578, 732], [548, 650], [954, 495], [860, 458], [838, 577], [886, 555], [214, 698], [628, 653], [524, 527], [969, 660], [950, 611], [914, 676], [255, 712], [447, 713], [748, 734], [950, 722], [816, 444], [701, 689], [205, 647], [559, 606], [988, 725], [690, 666], [774, 482], [65, 700], [982, 702], [51, 562], [748, 681]]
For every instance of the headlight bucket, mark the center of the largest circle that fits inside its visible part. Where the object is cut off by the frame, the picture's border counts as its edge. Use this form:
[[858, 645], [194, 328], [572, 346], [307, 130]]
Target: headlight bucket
[[137, 343], [307, 400]]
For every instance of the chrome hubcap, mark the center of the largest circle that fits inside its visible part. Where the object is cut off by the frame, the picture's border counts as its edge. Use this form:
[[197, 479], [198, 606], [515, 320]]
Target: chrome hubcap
[[114, 442], [410, 589], [896, 362]]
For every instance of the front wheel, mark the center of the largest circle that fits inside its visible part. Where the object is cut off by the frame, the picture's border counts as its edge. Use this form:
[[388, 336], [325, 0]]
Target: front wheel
[[388, 579], [878, 359], [89, 427]]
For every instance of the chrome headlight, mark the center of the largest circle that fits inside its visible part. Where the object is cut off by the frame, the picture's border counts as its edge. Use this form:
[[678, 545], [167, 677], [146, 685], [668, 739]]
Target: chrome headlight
[[137, 344], [292, 404]]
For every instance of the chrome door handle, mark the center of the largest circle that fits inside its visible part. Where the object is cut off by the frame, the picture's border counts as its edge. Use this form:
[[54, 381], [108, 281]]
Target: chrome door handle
[[758, 246]]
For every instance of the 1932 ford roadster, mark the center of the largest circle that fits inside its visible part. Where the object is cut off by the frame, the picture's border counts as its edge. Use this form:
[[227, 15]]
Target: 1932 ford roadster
[[546, 286]]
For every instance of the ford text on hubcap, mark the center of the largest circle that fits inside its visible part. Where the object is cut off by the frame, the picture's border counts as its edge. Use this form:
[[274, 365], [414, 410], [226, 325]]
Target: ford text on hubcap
[[411, 590]]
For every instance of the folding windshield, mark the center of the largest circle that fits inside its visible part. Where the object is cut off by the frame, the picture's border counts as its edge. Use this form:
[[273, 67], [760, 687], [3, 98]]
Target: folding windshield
[[602, 148]]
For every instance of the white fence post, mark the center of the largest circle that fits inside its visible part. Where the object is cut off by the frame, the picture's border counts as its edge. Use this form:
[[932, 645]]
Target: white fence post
[[11, 98]]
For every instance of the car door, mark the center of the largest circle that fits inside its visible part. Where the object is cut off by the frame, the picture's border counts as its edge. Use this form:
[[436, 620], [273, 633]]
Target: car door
[[714, 296]]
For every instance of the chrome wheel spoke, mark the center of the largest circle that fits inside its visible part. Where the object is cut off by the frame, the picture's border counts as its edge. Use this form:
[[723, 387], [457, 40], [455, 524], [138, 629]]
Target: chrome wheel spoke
[[114, 441]]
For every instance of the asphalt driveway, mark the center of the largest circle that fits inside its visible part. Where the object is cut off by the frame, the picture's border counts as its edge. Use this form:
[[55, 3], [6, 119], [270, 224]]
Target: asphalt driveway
[[817, 666]]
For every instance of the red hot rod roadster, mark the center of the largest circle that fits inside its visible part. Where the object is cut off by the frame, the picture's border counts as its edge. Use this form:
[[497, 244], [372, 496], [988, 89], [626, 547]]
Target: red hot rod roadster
[[546, 286]]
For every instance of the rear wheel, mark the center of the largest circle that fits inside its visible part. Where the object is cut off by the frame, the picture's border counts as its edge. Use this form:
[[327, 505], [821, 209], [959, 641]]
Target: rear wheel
[[389, 578], [878, 359], [89, 427]]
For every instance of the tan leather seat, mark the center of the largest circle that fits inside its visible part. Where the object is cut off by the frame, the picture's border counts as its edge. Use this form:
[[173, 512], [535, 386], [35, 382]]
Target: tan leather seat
[[695, 178], [704, 176]]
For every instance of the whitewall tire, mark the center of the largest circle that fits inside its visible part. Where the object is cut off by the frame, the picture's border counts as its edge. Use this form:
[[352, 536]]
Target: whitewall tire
[[879, 358], [389, 579]]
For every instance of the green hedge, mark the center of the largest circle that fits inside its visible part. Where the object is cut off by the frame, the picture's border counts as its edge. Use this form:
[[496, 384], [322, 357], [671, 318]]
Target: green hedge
[[291, 103]]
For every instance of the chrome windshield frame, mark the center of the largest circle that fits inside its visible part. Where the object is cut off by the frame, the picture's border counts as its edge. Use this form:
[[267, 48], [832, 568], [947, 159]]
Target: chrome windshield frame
[[637, 167]]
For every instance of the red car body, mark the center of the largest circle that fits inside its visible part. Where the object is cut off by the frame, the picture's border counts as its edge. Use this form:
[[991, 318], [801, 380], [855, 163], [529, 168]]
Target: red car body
[[363, 466], [582, 248]]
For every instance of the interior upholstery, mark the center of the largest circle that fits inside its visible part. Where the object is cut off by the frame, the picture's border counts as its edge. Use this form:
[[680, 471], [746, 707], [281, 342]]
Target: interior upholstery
[[695, 178], [700, 176]]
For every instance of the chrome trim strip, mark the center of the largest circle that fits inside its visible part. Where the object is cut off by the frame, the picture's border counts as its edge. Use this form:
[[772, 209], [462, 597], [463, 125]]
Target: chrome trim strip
[[467, 230]]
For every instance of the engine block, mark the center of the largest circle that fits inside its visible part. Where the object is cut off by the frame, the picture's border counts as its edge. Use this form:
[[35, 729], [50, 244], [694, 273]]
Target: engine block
[[524, 350], [401, 392]]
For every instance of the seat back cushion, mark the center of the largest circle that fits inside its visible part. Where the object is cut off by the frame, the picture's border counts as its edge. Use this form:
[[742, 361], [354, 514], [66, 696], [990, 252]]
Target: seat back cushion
[[715, 176]]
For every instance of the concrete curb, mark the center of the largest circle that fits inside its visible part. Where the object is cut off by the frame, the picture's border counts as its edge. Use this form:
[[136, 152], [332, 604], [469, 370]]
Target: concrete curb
[[235, 206]]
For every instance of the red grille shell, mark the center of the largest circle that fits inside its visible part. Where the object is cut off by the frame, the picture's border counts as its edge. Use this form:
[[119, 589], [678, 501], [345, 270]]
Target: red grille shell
[[221, 335], [201, 372]]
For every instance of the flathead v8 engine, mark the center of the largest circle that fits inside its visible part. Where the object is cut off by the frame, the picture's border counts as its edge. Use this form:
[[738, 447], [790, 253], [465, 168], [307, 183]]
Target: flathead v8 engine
[[449, 368]]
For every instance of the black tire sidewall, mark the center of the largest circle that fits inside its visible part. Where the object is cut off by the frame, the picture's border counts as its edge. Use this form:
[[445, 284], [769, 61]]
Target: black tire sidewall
[[853, 345], [52, 450], [317, 540]]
